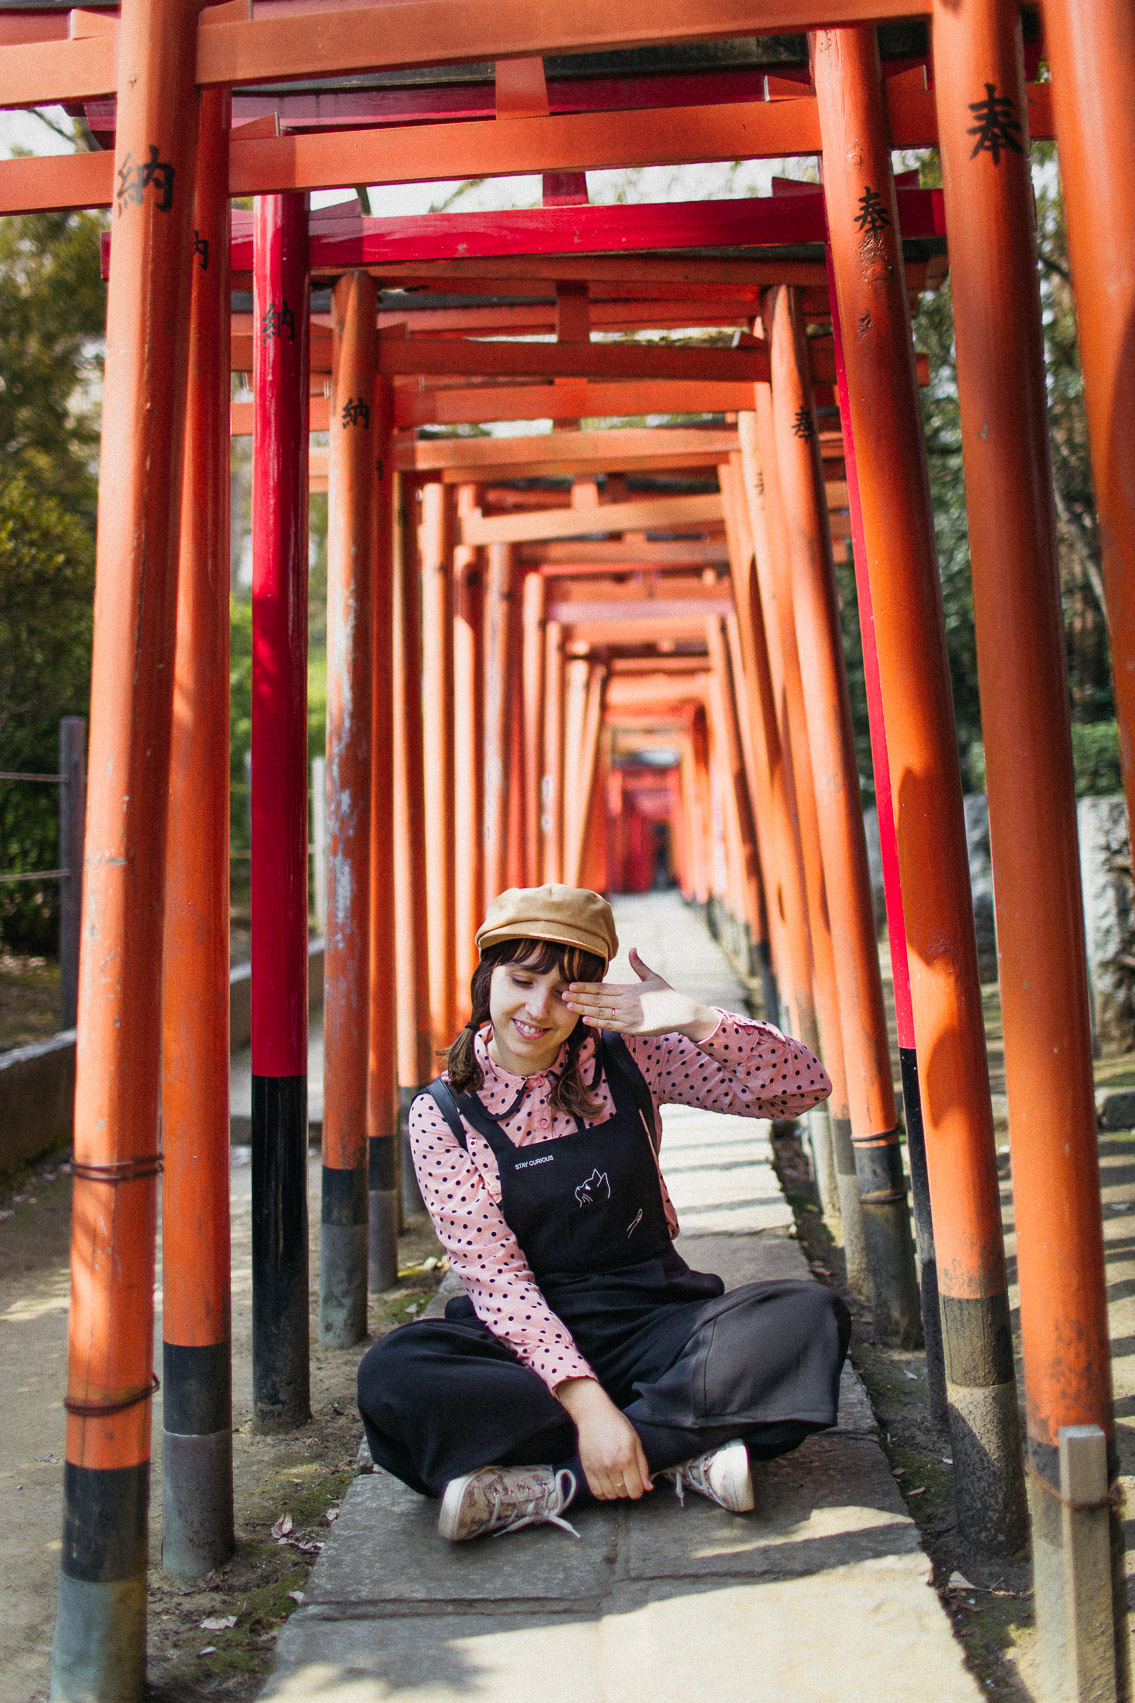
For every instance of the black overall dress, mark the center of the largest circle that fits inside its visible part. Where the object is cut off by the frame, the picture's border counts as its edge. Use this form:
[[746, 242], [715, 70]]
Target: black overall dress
[[690, 1365]]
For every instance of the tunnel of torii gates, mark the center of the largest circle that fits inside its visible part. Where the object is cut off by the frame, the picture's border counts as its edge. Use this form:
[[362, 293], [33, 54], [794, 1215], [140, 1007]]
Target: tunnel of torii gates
[[515, 624]]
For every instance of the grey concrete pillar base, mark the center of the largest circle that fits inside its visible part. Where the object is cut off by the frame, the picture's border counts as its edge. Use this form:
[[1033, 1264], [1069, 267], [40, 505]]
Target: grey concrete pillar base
[[342, 1284], [850, 1210], [412, 1202], [197, 1503], [382, 1257], [989, 1480], [1078, 1575], [823, 1161], [895, 1299], [99, 1652]]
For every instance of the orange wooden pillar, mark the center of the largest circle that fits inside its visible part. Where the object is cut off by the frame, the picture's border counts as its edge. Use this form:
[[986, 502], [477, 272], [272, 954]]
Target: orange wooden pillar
[[786, 892], [589, 780], [870, 1090], [100, 1629], [1090, 46], [770, 952], [1032, 820], [595, 858], [468, 747], [350, 643], [552, 777], [901, 561], [438, 759], [738, 803], [532, 664], [384, 1156], [411, 920], [500, 780], [280, 1327], [774, 578], [197, 1483], [703, 796]]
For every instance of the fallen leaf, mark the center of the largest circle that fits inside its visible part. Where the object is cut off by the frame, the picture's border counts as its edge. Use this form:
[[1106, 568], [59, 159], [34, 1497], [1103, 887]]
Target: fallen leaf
[[282, 1527], [296, 1596], [332, 1515], [219, 1623], [921, 1491], [209, 1650]]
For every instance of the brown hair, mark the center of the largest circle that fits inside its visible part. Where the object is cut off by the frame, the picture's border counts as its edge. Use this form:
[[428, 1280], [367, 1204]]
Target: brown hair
[[570, 1093]]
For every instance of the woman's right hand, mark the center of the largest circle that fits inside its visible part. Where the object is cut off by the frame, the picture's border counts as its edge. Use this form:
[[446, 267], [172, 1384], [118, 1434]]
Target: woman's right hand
[[610, 1451]]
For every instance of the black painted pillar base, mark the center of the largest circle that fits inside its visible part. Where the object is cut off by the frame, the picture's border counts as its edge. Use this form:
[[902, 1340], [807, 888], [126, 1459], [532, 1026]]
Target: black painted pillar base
[[889, 1246], [281, 1383], [923, 1232], [197, 1459], [382, 1180], [985, 1428], [412, 1203], [850, 1212], [343, 1258], [770, 998], [99, 1652]]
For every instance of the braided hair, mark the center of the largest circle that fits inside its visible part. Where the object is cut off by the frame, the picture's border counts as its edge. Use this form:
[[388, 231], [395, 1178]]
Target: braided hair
[[570, 1093]]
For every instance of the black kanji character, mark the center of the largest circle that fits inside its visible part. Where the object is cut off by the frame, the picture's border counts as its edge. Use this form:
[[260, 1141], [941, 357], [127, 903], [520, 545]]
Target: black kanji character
[[161, 174], [872, 216], [134, 180], [278, 321], [356, 412], [997, 125], [201, 247], [802, 426]]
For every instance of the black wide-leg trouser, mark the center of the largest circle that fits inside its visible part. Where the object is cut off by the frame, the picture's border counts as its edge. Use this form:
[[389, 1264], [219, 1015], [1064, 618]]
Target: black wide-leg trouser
[[444, 1396]]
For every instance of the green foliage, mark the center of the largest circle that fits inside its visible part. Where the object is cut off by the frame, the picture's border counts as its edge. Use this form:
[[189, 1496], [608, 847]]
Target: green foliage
[[52, 317], [52, 314], [46, 584], [1089, 673], [1095, 760]]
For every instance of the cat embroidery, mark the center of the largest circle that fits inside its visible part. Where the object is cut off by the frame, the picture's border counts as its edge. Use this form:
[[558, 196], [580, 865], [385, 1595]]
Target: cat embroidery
[[596, 1187], [634, 1223]]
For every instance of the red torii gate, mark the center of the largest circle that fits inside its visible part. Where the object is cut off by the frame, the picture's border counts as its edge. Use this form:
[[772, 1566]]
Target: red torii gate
[[148, 54]]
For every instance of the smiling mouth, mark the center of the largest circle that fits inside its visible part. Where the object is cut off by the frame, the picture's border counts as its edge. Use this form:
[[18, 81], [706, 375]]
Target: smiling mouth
[[529, 1032]]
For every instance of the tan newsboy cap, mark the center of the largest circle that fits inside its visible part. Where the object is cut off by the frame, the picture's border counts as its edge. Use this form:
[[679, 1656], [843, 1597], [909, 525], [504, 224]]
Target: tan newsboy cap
[[572, 916]]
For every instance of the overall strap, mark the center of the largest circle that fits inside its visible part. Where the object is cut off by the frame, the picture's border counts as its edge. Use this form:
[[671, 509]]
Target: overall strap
[[621, 1070], [446, 1101], [469, 1106]]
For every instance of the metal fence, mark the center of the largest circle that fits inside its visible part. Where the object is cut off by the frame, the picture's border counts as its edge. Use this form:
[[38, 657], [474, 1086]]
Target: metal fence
[[72, 783]]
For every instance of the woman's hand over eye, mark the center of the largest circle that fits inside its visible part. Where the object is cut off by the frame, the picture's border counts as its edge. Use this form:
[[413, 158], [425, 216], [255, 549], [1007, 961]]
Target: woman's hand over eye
[[649, 1006]]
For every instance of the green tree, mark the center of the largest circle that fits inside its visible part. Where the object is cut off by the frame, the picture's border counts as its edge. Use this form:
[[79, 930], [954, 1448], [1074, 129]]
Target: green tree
[[46, 585], [52, 313], [52, 319]]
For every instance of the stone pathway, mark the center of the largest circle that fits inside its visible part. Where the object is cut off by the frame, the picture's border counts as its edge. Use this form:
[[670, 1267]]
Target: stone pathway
[[821, 1593]]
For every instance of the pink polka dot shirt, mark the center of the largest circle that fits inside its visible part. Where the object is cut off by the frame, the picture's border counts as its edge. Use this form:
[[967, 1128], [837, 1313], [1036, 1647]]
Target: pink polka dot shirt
[[745, 1068]]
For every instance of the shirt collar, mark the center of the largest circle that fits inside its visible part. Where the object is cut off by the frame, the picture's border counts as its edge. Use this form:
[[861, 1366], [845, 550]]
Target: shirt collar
[[493, 1071]]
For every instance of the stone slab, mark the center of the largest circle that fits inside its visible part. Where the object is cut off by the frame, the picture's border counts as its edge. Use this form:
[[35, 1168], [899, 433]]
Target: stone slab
[[857, 1634], [439, 1658], [830, 1504], [384, 1548]]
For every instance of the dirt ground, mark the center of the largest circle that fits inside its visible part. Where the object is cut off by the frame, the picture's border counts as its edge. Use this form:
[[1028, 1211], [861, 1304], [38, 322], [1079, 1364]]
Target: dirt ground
[[295, 1477], [29, 999]]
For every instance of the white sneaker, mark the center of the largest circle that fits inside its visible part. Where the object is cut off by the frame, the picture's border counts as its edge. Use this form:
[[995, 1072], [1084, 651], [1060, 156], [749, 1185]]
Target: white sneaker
[[498, 1499], [722, 1474]]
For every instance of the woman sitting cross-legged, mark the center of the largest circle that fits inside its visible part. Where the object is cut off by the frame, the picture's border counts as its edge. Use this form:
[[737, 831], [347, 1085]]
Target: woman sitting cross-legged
[[585, 1357]]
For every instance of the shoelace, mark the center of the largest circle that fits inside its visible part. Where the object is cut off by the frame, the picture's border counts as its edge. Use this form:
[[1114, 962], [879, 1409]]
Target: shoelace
[[693, 1474], [532, 1513]]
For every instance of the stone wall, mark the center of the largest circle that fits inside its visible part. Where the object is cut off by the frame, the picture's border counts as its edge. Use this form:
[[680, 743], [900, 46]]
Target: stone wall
[[1109, 908], [37, 1083]]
